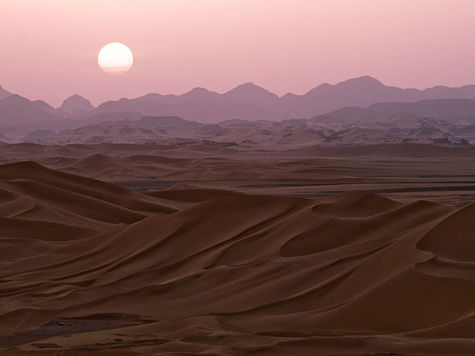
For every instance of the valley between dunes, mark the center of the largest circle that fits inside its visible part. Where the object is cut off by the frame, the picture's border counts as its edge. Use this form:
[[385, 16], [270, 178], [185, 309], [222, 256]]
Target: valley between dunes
[[88, 267]]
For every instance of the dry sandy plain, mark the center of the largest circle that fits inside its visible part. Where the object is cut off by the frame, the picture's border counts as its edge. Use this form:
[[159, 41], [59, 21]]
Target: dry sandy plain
[[203, 249]]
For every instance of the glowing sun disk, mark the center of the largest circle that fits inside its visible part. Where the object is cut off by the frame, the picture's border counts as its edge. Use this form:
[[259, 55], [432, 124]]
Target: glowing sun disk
[[115, 58]]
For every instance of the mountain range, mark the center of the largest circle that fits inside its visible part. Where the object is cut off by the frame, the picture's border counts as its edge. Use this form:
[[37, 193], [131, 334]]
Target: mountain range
[[362, 103], [324, 131], [251, 102], [76, 105], [4, 93]]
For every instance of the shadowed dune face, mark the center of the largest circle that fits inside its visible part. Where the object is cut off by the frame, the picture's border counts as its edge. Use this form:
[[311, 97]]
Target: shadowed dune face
[[89, 267], [454, 238]]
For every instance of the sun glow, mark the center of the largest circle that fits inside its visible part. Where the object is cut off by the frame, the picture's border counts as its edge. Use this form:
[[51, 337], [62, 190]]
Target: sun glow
[[115, 58]]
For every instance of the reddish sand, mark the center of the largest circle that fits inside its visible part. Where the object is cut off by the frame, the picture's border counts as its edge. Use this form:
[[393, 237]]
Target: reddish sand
[[91, 268], [403, 172]]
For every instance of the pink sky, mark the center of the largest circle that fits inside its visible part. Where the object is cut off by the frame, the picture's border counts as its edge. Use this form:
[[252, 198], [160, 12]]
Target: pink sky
[[49, 47]]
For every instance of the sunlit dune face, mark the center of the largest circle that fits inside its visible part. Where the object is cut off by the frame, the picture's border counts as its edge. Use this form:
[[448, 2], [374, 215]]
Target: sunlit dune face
[[115, 58]]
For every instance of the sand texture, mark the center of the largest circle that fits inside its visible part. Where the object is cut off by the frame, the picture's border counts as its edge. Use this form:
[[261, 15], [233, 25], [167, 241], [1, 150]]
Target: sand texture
[[88, 267], [404, 172]]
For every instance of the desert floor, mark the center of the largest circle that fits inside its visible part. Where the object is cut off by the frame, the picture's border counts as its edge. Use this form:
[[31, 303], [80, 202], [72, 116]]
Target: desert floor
[[203, 249]]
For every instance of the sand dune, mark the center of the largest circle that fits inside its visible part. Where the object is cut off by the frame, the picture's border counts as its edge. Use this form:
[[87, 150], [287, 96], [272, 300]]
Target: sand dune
[[89, 267], [404, 172]]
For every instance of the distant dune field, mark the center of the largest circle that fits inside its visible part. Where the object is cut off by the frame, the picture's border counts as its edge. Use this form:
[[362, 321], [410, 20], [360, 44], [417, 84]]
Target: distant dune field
[[401, 171], [172, 266]]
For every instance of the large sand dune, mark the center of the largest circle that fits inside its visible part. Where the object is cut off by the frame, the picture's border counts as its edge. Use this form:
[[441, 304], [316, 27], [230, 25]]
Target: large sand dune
[[90, 267]]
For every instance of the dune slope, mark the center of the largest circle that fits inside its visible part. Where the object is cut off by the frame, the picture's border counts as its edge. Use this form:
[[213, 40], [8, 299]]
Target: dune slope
[[89, 267]]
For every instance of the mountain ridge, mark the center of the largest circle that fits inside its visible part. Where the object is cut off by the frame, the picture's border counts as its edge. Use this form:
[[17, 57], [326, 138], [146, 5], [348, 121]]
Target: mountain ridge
[[76, 104], [17, 110], [249, 101], [357, 98], [3, 93]]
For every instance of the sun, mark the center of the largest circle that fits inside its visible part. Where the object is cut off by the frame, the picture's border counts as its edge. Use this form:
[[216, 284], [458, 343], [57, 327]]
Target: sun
[[115, 58]]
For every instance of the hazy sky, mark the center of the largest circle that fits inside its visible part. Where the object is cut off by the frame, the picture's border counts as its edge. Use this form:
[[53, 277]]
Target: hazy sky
[[49, 47]]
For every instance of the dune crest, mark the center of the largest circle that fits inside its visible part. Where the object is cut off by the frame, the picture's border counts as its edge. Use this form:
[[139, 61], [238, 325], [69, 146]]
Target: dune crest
[[220, 272]]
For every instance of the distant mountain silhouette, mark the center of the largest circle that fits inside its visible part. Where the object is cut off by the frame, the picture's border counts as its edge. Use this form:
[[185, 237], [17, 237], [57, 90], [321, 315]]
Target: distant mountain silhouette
[[200, 94], [76, 105], [361, 91], [251, 93], [247, 101], [251, 102], [17, 110], [396, 128], [439, 109], [44, 106], [4, 93], [350, 101]]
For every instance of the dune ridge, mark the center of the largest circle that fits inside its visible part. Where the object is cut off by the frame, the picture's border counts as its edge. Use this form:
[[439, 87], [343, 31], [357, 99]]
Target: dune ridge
[[90, 267]]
